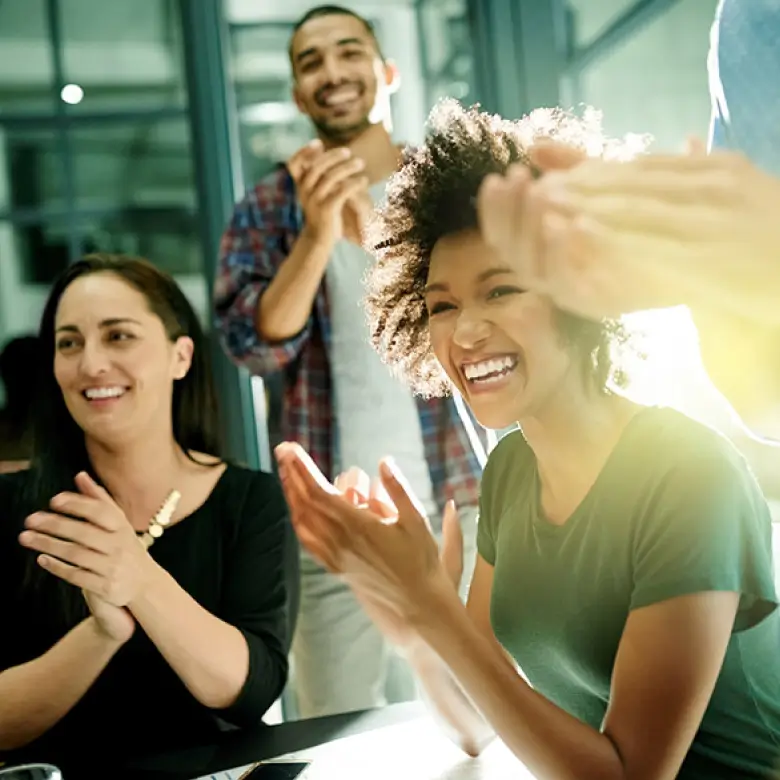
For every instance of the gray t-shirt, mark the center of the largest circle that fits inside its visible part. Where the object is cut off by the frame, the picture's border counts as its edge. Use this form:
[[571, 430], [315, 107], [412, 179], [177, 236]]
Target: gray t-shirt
[[376, 415]]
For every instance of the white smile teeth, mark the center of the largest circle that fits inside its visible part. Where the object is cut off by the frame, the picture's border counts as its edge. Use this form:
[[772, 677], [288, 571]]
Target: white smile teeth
[[342, 96], [97, 393], [490, 370]]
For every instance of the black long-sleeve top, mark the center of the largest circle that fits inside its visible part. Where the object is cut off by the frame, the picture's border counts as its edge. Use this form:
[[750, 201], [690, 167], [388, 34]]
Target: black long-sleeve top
[[235, 555]]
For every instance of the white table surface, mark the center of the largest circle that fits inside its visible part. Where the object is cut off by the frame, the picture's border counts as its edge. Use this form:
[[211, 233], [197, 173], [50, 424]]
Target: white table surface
[[409, 751]]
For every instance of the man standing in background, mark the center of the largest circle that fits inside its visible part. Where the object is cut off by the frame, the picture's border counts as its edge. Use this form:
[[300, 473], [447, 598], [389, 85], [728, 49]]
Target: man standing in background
[[288, 299]]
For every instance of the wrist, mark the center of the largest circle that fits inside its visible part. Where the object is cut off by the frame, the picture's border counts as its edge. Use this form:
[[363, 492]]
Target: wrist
[[316, 241], [437, 599], [105, 639], [419, 655], [153, 580]]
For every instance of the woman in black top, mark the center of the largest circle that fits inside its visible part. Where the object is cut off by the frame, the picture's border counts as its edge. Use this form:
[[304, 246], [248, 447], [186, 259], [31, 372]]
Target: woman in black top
[[143, 581]]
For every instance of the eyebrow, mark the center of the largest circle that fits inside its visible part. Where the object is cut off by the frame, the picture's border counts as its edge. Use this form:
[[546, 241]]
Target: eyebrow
[[482, 277], [341, 42], [110, 323]]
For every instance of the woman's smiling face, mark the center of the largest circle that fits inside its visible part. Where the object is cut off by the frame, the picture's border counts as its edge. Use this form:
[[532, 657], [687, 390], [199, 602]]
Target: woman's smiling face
[[498, 344], [114, 362]]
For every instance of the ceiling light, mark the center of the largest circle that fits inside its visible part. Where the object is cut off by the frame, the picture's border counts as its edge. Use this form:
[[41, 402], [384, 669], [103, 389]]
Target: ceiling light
[[72, 94]]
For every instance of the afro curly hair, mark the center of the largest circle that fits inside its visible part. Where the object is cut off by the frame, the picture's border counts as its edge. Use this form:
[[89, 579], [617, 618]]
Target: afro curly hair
[[433, 195]]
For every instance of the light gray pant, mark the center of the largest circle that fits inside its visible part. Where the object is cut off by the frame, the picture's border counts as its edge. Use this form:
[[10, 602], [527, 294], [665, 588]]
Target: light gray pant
[[340, 662]]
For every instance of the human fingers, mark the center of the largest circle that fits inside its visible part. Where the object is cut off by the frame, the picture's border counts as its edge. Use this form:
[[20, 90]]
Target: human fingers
[[313, 531], [289, 452], [303, 158], [319, 166], [100, 511], [85, 534], [348, 191], [547, 154], [598, 271], [80, 578], [69, 552], [333, 179], [499, 202], [659, 207], [452, 544], [409, 508], [354, 479], [379, 494]]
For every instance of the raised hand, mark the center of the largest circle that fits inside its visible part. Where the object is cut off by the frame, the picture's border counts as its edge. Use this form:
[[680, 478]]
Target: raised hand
[[557, 251], [99, 553], [384, 550], [359, 491], [604, 238], [331, 189], [509, 220], [522, 219]]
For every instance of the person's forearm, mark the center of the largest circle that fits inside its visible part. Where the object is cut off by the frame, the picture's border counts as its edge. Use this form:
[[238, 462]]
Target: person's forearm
[[210, 656], [545, 738], [38, 694], [286, 304], [454, 711]]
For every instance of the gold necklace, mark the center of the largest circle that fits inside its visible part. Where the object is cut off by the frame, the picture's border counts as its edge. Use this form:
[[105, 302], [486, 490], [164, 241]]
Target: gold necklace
[[160, 521]]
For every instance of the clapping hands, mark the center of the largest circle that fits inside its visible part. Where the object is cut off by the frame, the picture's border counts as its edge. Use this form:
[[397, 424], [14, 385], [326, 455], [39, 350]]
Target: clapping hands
[[374, 536], [333, 191], [604, 238], [99, 552]]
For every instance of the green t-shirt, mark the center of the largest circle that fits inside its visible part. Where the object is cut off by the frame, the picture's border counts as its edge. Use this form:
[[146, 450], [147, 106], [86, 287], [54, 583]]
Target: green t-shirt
[[674, 511]]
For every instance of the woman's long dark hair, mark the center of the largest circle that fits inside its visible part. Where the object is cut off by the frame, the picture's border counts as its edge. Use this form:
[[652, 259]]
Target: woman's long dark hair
[[59, 448]]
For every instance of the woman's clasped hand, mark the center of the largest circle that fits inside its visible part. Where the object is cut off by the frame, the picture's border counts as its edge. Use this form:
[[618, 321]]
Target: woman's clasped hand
[[88, 542]]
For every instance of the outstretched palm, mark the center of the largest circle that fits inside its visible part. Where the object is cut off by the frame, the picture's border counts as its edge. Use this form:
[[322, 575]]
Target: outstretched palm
[[375, 537], [390, 622]]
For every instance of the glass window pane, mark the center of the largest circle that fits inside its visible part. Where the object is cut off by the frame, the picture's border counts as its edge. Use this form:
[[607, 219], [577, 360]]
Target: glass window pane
[[26, 65], [656, 81], [168, 237], [265, 143], [122, 54], [260, 49], [448, 51], [33, 254], [271, 127], [591, 19], [146, 164], [31, 170]]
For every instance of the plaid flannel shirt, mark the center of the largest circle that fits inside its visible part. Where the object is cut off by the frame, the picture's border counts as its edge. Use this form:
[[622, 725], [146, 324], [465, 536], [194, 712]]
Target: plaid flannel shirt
[[261, 233]]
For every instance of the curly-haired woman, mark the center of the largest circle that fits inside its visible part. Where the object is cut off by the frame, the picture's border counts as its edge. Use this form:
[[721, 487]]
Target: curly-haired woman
[[625, 561]]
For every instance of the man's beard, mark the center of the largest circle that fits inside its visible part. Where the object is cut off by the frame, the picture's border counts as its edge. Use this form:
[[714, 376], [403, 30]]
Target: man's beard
[[341, 134]]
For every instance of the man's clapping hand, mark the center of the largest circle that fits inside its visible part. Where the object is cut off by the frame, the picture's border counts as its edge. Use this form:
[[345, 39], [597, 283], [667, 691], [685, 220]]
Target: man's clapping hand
[[333, 192]]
